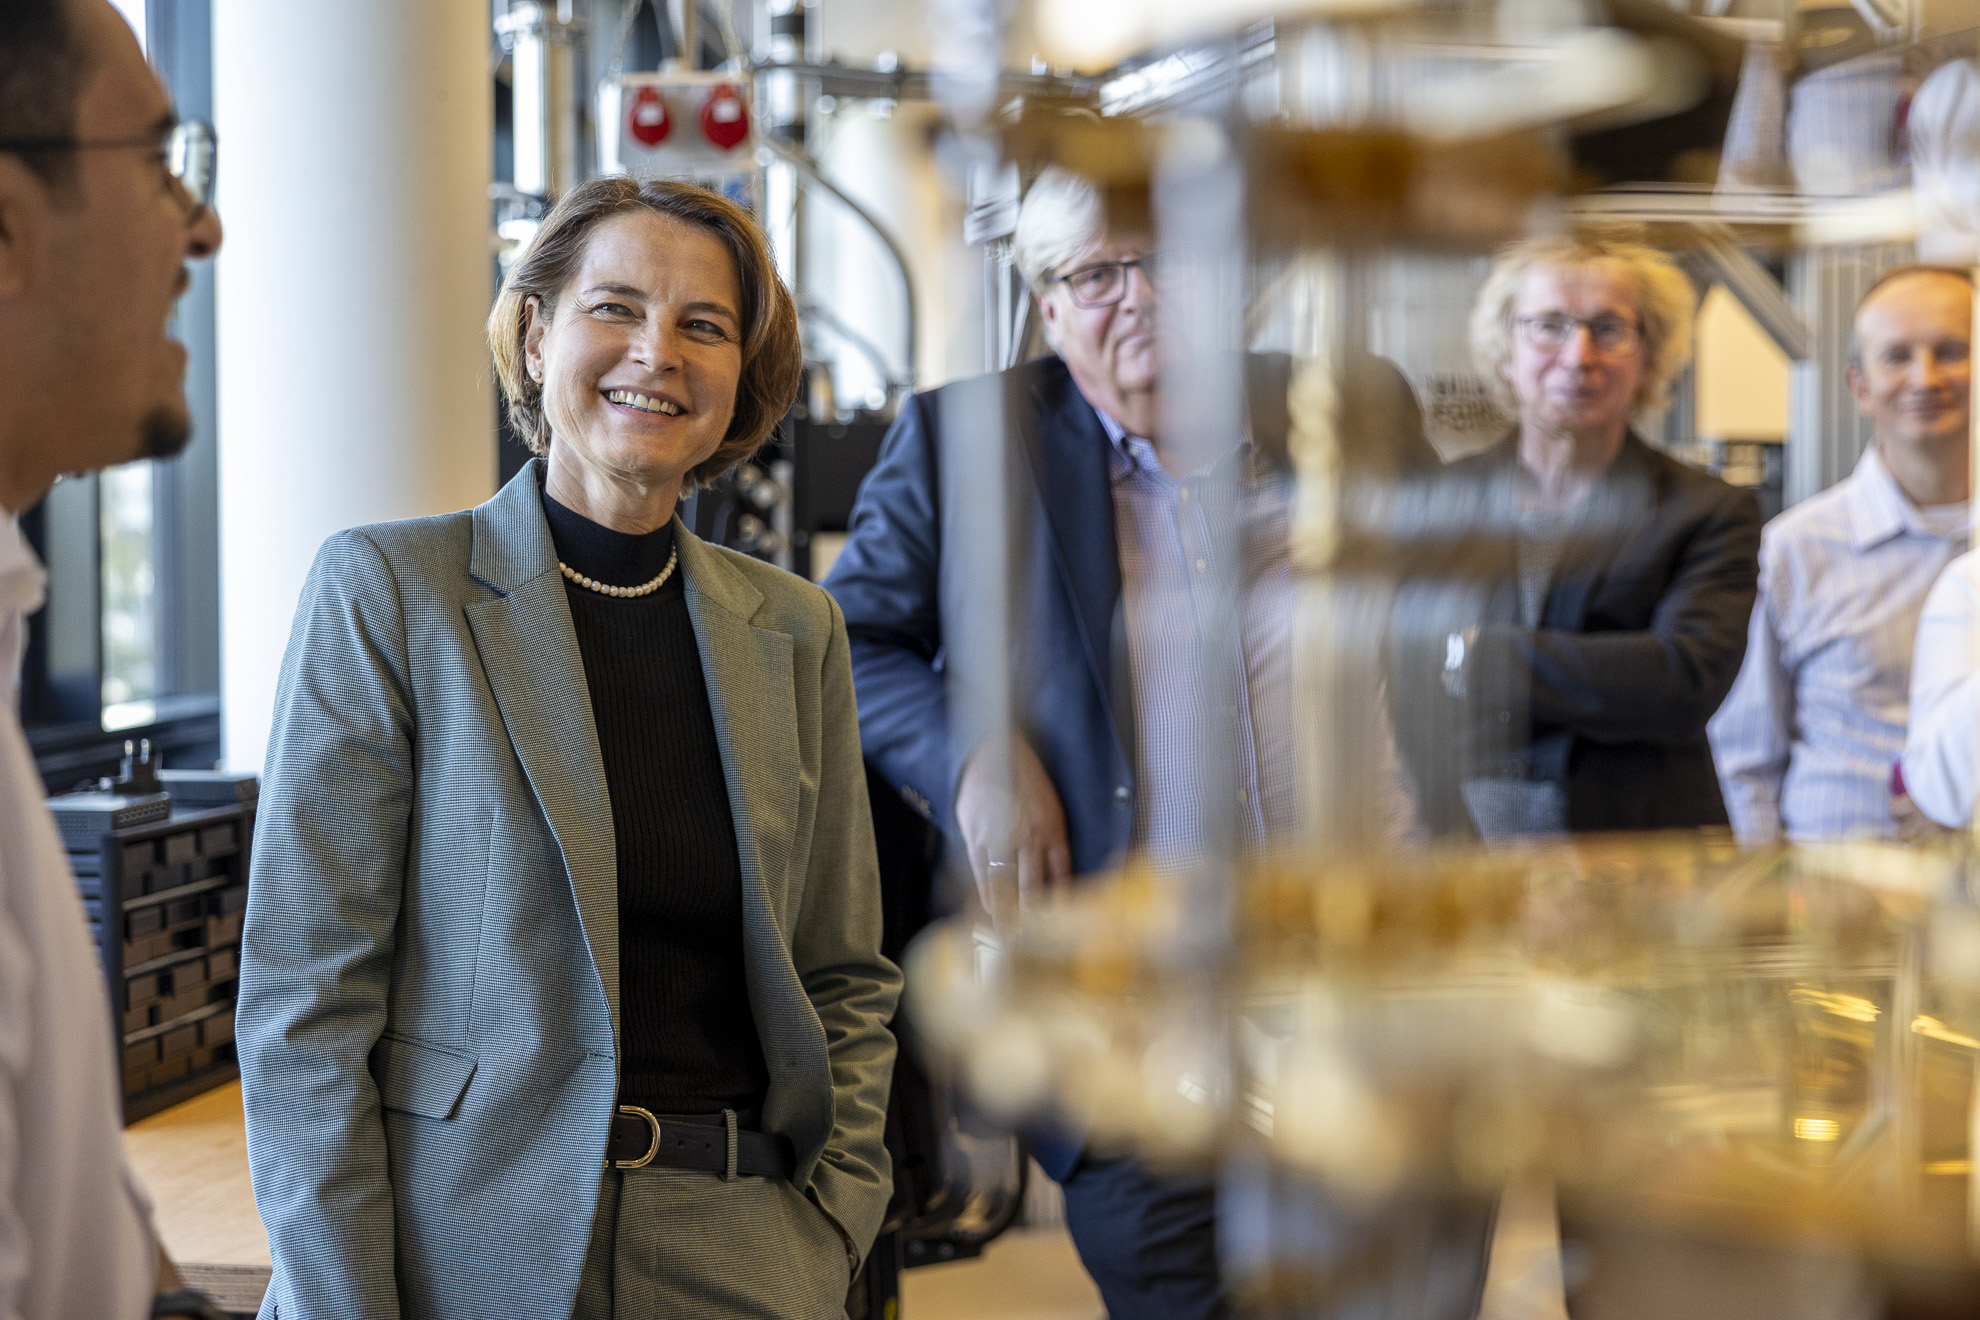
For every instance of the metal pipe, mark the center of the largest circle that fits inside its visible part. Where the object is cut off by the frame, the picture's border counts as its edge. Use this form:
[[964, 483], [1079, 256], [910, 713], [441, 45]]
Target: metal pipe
[[803, 167], [831, 77], [687, 22], [896, 387], [540, 38], [1756, 289]]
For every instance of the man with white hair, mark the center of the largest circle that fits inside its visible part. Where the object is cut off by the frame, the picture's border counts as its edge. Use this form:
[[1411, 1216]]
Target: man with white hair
[[1806, 740], [102, 202], [1130, 661]]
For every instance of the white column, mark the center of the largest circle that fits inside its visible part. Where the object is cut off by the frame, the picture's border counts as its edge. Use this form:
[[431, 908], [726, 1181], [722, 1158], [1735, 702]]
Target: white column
[[356, 150]]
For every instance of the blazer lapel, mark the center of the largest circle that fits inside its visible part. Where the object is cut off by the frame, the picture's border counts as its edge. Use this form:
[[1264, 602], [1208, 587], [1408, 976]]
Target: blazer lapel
[[530, 655], [1615, 509], [752, 695], [1066, 451]]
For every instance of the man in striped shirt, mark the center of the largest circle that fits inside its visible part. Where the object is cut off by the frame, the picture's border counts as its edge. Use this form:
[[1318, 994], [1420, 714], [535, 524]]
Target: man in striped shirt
[[1155, 705], [1807, 739]]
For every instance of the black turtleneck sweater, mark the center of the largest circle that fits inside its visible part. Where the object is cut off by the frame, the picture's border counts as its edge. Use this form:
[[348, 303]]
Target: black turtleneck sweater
[[687, 1036]]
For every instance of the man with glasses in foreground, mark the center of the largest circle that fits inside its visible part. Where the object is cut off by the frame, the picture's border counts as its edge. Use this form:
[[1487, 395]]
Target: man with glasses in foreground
[[1133, 667], [1807, 740], [103, 199]]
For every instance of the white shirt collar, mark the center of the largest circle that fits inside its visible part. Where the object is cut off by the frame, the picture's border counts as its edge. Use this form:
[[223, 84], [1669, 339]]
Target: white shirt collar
[[23, 586], [1133, 453], [1878, 510], [23, 581]]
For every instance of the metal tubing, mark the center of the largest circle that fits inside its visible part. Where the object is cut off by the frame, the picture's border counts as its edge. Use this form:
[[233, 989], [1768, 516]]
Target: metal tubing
[[866, 347], [802, 165]]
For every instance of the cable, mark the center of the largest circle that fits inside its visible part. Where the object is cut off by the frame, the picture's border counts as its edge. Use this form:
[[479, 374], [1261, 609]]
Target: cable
[[896, 387], [808, 171]]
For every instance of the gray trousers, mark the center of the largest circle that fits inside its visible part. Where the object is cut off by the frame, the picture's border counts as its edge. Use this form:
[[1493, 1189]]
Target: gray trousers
[[675, 1242]]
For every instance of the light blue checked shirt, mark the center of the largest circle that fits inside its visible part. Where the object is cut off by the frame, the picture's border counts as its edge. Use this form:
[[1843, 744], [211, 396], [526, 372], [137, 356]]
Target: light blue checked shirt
[[1806, 740]]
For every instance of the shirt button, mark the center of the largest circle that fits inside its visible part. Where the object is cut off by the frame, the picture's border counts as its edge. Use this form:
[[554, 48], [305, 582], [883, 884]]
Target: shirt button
[[1201, 565], [1244, 798], [1121, 794], [1184, 496]]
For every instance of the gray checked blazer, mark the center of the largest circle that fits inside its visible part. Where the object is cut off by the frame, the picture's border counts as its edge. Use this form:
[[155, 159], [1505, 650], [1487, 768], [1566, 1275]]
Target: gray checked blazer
[[429, 993]]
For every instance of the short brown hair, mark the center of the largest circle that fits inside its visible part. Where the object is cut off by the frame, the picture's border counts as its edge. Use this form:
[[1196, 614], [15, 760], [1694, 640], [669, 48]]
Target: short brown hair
[[771, 355]]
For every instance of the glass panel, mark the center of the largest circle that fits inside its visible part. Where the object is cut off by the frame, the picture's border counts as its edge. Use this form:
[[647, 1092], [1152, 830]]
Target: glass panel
[[130, 615]]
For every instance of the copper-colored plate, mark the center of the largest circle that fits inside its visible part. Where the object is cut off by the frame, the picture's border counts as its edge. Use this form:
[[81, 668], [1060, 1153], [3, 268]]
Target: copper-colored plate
[[1319, 186]]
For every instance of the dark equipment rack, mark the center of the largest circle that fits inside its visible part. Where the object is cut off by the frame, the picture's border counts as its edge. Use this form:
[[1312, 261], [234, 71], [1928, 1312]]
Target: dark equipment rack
[[166, 901]]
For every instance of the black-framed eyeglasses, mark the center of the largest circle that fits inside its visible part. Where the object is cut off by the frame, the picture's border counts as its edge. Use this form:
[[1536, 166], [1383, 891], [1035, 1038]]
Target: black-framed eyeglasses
[[189, 154], [1105, 283], [1607, 333]]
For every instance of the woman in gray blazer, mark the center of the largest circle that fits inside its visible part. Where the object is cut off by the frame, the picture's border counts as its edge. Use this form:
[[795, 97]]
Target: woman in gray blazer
[[561, 990]]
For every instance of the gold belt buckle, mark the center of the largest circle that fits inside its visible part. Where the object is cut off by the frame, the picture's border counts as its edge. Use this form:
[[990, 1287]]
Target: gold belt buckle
[[652, 1147]]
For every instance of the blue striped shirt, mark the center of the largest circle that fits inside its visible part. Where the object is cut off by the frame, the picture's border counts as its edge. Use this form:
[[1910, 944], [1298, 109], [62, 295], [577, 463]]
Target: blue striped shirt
[[1212, 675], [1806, 739], [1173, 537]]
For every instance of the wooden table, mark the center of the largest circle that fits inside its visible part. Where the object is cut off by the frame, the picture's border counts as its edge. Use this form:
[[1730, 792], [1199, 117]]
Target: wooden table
[[192, 1158]]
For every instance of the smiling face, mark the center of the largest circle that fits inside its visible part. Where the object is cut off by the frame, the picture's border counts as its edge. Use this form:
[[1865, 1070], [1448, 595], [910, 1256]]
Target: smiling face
[[1576, 387], [1913, 374], [638, 360], [120, 234], [1111, 352]]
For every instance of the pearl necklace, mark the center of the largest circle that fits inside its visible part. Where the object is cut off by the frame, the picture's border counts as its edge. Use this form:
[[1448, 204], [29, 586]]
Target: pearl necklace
[[592, 584]]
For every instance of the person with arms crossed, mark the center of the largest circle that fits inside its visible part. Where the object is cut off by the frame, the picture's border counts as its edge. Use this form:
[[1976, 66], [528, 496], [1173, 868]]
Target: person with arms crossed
[[102, 202], [1806, 740], [1607, 586]]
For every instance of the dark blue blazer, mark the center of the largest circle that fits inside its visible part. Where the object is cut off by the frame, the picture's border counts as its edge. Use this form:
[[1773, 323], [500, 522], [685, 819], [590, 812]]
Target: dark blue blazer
[[909, 582]]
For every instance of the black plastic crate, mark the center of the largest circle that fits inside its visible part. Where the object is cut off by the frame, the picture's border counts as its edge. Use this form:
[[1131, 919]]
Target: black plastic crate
[[224, 930], [179, 1041], [168, 899]]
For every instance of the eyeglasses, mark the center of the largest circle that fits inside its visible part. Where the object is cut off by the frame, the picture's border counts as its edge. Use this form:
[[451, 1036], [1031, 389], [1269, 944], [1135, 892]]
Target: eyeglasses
[[189, 155], [1105, 283], [1607, 334]]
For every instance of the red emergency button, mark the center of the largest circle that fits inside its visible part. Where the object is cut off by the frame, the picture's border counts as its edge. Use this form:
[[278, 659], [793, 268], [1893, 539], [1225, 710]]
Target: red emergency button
[[724, 117], [647, 120]]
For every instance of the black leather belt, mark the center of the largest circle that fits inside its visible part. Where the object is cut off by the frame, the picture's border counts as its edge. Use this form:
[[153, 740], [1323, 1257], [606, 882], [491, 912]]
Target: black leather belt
[[705, 1142]]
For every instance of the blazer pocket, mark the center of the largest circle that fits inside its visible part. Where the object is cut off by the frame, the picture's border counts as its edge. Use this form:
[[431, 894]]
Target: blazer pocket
[[418, 1078]]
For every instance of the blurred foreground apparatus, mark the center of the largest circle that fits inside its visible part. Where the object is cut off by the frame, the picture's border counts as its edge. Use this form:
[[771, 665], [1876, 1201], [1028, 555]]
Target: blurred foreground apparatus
[[1771, 1051], [1749, 1075]]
